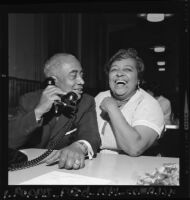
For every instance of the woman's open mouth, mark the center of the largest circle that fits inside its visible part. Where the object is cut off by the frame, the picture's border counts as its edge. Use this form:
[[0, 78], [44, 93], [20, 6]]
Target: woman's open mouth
[[120, 83]]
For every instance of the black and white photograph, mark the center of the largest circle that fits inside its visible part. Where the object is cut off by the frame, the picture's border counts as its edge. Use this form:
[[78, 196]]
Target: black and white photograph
[[95, 99]]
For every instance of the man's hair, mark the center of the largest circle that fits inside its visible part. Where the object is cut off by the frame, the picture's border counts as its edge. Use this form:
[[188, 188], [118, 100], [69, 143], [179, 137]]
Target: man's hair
[[124, 54], [53, 64]]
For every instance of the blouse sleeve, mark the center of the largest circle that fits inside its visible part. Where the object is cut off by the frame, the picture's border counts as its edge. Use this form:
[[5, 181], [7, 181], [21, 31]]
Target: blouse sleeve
[[149, 114]]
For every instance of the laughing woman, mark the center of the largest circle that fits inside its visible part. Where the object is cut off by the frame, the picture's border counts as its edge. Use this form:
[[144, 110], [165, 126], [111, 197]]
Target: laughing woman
[[129, 119]]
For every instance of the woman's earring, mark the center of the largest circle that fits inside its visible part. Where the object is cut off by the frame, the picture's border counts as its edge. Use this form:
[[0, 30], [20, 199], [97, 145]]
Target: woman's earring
[[138, 85]]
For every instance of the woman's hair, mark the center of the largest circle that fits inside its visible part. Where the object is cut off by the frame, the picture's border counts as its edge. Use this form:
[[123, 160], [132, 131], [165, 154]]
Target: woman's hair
[[124, 54]]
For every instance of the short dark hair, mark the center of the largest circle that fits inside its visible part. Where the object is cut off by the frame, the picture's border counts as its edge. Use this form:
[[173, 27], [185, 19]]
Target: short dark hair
[[124, 54]]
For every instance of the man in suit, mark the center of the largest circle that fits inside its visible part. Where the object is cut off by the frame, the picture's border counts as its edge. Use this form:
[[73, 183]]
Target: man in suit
[[36, 125]]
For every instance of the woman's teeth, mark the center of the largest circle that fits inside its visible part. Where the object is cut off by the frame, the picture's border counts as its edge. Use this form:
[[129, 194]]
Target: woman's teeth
[[120, 82]]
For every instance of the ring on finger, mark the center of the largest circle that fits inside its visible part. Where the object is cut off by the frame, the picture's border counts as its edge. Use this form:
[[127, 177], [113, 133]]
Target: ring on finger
[[77, 162]]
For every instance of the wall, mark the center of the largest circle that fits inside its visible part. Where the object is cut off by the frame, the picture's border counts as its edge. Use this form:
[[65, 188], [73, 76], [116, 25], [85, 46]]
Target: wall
[[35, 37], [94, 50], [27, 46]]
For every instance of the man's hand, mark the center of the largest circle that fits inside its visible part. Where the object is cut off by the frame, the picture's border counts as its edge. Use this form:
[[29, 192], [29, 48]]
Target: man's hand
[[71, 157], [48, 97]]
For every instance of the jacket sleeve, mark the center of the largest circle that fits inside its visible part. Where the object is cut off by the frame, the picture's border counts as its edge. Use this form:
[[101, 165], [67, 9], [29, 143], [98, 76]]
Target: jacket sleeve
[[22, 124], [88, 127]]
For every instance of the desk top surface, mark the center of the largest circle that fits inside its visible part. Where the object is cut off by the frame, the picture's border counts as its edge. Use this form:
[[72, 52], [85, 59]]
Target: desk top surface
[[120, 169]]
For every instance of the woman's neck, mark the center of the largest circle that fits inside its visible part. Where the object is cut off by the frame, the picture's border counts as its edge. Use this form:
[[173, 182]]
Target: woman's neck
[[121, 101]]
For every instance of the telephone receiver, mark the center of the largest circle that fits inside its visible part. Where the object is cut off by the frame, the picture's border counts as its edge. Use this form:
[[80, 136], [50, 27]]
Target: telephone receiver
[[68, 102]]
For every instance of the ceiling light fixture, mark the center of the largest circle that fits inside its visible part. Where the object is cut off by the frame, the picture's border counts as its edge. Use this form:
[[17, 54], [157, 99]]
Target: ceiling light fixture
[[155, 17], [159, 49], [161, 63], [161, 69]]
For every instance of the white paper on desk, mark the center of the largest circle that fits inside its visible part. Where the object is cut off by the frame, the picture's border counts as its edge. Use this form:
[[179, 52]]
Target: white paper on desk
[[62, 178]]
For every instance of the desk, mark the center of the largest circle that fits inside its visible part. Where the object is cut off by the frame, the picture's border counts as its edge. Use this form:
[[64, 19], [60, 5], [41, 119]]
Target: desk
[[120, 169]]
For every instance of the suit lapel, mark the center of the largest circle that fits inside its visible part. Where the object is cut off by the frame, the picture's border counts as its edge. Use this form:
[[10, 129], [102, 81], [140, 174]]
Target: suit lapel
[[59, 124]]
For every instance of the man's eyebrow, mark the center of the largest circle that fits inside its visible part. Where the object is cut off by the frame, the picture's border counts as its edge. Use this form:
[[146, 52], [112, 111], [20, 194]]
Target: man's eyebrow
[[74, 71]]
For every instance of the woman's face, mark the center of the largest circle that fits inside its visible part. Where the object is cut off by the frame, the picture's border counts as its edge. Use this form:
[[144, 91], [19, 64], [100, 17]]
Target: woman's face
[[123, 78]]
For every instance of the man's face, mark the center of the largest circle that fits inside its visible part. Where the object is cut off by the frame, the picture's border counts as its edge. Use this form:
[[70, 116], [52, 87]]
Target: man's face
[[70, 77]]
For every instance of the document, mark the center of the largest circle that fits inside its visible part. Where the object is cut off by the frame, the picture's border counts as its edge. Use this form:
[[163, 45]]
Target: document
[[62, 178]]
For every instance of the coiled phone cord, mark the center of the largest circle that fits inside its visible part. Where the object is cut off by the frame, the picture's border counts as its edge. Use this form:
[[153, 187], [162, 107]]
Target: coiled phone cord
[[37, 161]]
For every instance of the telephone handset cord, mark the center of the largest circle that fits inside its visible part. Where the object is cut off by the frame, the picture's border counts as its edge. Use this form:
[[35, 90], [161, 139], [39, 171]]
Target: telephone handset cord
[[36, 161]]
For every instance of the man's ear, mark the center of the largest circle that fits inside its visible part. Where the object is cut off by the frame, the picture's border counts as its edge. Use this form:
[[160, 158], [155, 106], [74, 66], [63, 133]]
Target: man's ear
[[51, 80], [55, 79]]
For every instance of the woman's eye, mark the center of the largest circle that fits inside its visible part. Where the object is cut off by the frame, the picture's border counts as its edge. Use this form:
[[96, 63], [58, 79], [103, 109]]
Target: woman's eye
[[128, 69], [113, 70]]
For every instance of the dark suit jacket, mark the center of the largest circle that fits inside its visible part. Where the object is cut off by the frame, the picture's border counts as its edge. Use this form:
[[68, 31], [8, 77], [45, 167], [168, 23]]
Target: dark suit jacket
[[25, 132]]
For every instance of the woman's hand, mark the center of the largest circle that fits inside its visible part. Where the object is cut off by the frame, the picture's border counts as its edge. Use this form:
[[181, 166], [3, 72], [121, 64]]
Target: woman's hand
[[107, 104]]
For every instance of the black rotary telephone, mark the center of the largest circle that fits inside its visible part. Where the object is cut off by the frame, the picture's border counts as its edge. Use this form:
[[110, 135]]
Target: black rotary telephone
[[18, 160], [68, 102]]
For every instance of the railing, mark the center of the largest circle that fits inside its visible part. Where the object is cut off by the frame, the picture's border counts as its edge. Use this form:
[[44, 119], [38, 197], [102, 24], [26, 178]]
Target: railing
[[17, 87]]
